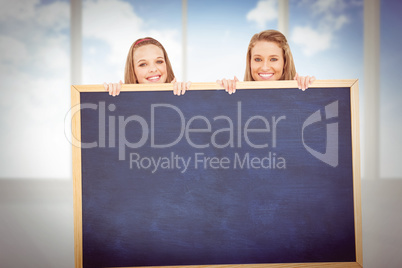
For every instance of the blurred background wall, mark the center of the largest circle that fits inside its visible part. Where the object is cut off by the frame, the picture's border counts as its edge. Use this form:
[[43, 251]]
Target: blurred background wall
[[47, 45]]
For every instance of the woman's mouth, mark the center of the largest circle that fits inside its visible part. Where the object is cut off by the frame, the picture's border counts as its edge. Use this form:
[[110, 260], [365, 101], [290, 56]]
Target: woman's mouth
[[265, 76], [154, 78]]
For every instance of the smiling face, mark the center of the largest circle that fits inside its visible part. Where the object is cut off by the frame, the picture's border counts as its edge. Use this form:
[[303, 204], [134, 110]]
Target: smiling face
[[266, 61], [150, 64]]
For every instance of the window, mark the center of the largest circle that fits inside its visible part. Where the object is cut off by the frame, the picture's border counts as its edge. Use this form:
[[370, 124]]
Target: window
[[326, 38], [34, 62], [219, 33]]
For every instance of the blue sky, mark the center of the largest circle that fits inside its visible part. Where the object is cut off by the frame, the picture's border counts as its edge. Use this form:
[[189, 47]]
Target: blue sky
[[326, 38]]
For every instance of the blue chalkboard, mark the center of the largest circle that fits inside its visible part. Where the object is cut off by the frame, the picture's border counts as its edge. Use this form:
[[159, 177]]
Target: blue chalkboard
[[260, 176]]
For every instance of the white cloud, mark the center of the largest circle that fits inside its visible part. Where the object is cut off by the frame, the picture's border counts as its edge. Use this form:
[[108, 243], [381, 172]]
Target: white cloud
[[209, 61], [55, 55], [264, 12], [56, 15], [330, 17], [24, 10], [310, 40], [329, 6], [319, 7], [114, 22], [36, 34], [331, 13], [337, 22], [31, 14], [12, 50]]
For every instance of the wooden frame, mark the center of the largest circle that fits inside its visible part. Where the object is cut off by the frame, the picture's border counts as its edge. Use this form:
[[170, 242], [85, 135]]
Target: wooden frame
[[77, 169]]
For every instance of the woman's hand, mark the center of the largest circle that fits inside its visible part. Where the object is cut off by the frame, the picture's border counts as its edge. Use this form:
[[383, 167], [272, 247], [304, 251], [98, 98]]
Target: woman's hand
[[228, 84], [113, 88], [304, 81], [179, 88]]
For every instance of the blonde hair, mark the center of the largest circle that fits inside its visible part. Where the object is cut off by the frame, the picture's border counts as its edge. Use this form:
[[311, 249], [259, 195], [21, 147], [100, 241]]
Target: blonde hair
[[289, 69], [129, 72]]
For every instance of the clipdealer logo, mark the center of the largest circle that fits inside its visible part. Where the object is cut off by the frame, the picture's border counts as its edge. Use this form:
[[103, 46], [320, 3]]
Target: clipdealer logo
[[220, 131], [242, 131], [331, 156]]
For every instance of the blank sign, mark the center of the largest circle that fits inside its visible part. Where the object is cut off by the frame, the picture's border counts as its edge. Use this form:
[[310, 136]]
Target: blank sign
[[269, 175]]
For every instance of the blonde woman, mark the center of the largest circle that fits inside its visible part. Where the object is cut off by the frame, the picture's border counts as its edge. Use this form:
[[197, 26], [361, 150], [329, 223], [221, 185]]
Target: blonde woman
[[269, 58]]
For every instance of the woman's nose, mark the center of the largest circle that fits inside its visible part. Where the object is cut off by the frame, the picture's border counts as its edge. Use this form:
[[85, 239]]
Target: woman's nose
[[266, 65], [152, 68]]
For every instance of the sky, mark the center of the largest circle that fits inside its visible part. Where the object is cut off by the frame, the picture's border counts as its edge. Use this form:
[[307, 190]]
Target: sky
[[326, 38]]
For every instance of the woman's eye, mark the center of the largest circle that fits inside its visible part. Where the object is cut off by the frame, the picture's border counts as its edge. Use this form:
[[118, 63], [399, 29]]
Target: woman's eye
[[274, 59], [142, 65], [159, 61], [257, 59]]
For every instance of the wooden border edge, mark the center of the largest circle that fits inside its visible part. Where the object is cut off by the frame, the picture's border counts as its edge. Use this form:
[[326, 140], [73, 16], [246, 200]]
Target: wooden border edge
[[355, 128], [270, 265], [355, 124], [215, 86], [77, 177]]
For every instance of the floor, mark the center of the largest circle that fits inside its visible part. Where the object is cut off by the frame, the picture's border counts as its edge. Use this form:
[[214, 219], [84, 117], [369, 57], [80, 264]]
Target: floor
[[36, 223]]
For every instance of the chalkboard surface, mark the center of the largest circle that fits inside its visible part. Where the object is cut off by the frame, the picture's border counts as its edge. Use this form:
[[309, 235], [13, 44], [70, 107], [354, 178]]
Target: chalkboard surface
[[265, 175]]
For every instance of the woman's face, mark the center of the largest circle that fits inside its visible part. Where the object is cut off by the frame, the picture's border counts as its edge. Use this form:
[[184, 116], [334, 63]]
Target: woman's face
[[150, 65], [266, 61]]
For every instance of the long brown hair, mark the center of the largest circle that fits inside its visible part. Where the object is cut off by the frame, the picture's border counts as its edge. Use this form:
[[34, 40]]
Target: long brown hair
[[289, 69], [129, 73]]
